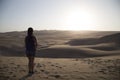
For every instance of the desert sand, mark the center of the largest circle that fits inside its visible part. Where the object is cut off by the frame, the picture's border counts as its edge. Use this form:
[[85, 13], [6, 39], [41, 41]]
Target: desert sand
[[62, 55]]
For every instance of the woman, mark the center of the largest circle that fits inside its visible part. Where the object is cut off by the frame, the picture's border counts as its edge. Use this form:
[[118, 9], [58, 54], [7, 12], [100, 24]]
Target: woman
[[30, 44]]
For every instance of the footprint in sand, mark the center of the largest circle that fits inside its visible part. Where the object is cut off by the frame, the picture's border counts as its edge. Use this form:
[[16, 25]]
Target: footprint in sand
[[60, 67], [42, 70], [14, 76], [101, 71], [12, 63], [46, 72], [23, 70], [49, 62], [39, 65], [18, 65], [56, 76], [10, 72], [52, 65]]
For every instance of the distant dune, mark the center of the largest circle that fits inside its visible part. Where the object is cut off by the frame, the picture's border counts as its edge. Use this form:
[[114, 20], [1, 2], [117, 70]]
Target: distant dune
[[61, 44], [114, 38]]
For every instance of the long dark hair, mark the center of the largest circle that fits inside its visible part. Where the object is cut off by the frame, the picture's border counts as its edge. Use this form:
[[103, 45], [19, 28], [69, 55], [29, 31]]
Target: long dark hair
[[30, 31]]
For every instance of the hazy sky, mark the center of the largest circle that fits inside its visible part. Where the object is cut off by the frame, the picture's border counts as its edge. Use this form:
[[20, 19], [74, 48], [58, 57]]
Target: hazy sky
[[18, 15]]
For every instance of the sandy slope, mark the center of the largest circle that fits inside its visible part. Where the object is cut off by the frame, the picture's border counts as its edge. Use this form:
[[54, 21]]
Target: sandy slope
[[100, 68], [62, 55]]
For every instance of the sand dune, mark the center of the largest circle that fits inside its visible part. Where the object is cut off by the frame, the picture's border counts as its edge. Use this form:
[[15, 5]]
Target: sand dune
[[66, 51], [63, 46], [114, 38], [62, 55]]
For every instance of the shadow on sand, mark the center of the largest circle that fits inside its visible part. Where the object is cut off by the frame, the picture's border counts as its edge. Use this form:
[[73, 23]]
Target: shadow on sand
[[114, 38], [68, 52], [25, 77]]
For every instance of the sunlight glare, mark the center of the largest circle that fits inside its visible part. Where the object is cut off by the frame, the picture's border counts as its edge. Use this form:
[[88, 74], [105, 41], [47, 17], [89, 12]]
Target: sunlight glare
[[80, 20]]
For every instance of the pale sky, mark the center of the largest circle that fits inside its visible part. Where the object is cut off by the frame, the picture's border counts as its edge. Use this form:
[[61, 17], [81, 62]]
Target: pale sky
[[18, 15]]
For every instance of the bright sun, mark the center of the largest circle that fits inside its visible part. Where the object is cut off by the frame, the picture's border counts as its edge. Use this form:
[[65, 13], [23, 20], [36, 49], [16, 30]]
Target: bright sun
[[80, 20]]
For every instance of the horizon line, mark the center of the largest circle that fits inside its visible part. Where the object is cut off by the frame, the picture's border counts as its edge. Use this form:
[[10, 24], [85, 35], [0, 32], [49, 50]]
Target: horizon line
[[57, 30]]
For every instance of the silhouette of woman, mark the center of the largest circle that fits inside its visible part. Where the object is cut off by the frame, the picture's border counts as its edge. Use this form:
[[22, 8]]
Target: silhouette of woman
[[30, 45]]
